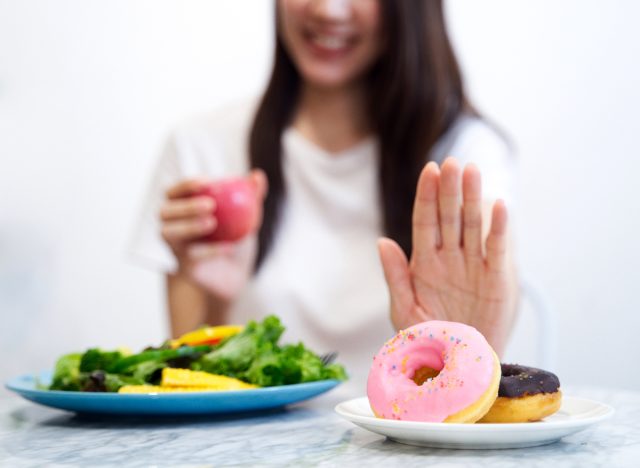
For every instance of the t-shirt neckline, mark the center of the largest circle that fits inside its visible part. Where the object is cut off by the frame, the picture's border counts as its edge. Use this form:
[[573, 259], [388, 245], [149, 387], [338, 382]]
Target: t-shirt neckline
[[364, 147]]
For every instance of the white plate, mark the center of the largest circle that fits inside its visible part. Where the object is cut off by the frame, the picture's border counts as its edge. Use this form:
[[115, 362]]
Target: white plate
[[575, 414]]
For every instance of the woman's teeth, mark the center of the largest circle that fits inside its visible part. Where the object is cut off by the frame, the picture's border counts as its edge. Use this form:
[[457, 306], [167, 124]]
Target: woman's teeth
[[330, 42]]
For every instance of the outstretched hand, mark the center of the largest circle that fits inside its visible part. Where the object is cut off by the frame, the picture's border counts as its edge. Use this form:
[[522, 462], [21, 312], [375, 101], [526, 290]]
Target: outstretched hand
[[454, 273]]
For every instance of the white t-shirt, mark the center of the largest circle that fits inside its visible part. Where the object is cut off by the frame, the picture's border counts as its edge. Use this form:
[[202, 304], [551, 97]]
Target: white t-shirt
[[322, 276]]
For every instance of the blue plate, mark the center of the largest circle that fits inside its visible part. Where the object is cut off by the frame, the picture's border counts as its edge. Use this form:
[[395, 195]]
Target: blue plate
[[159, 404]]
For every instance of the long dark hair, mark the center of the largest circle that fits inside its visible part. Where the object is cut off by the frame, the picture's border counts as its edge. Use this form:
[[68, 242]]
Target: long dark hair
[[415, 95]]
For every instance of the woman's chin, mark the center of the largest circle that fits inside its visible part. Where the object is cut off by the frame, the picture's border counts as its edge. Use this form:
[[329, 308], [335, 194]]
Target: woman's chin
[[327, 78]]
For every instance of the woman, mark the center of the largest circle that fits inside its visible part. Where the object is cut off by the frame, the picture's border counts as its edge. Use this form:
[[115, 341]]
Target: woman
[[364, 103]]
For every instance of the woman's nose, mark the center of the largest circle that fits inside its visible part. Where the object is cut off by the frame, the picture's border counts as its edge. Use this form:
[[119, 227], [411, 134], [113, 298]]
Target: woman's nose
[[331, 10]]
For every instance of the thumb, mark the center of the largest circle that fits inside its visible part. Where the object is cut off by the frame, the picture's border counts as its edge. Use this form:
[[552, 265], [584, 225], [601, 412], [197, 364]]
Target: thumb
[[260, 182], [398, 277]]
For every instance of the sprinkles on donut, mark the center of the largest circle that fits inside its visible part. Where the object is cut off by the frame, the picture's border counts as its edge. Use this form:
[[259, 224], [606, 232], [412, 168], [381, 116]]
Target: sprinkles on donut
[[435, 371]]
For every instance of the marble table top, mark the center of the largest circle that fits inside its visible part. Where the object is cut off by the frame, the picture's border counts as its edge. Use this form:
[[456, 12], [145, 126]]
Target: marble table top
[[309, 434]]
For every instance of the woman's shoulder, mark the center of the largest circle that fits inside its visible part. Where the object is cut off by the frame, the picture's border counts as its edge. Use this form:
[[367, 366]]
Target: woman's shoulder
[[474, 139], [213, 143], [231, 121]]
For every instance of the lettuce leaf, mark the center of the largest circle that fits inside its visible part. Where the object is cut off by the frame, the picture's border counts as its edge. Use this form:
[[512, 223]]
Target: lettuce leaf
[[234, 356], [255, 357], [97, 359], [66, 374]]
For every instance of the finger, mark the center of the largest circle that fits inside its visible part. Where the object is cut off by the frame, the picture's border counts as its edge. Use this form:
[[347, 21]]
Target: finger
[[497, 238], [425, 213], [187, 208], [259, 179], [398, 277], [188, 229], [449, 204], [472, 211], [186, 188]]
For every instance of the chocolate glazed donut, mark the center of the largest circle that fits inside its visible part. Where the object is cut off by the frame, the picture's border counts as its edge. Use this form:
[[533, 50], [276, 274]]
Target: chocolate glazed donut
[[525, 394], [518, 381]]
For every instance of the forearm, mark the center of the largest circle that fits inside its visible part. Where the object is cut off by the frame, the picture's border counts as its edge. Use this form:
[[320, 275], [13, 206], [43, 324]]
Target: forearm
[[189, 306]]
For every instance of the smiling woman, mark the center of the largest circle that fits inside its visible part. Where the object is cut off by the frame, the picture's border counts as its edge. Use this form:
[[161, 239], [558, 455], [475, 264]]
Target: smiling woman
[[363, 95], [332, 43]]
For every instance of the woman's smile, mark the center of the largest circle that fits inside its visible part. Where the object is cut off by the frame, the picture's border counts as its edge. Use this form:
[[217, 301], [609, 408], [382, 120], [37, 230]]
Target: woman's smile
[[328, 45], [332, 43]]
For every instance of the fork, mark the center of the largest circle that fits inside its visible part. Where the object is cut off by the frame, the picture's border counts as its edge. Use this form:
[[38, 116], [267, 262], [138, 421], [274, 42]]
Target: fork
[[328, 358]]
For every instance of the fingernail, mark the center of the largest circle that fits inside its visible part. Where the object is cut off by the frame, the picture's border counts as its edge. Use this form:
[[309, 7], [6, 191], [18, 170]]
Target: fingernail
[[208, 203]]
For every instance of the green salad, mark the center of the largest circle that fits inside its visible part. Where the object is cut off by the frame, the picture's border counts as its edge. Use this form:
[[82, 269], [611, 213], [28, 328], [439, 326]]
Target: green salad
[[251, 354]]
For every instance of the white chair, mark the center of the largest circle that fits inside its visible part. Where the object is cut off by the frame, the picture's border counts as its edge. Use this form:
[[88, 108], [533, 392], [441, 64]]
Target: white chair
[[536, 317]]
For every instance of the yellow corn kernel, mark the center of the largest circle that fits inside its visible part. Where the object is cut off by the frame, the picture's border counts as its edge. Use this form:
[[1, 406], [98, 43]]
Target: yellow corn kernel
[[187, 378]]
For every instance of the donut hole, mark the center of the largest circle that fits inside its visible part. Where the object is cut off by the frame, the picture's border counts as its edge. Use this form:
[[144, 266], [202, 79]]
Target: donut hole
[[423, 373]]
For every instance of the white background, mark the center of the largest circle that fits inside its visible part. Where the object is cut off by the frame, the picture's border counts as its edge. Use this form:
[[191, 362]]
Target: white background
[[89, 89]]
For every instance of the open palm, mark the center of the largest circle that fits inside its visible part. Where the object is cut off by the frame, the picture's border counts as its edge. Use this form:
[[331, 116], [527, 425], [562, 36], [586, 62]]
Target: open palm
[[453, 274]]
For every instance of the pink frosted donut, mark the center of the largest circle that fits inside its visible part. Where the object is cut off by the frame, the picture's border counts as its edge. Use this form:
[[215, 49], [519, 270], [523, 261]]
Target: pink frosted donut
[[460, 370]]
